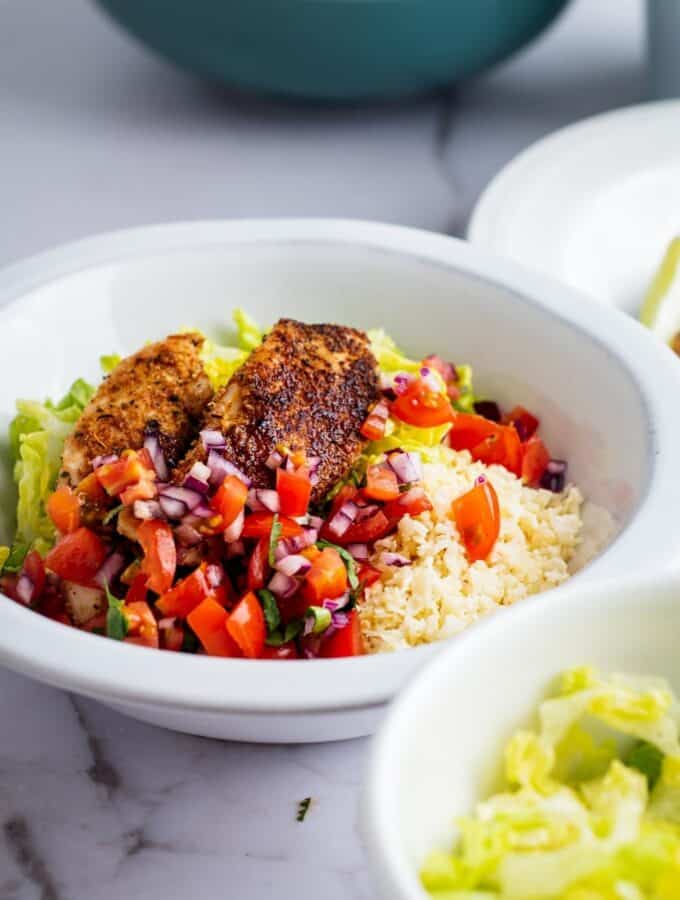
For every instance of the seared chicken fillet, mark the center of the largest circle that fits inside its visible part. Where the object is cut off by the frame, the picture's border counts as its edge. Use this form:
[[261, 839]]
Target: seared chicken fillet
[[164, 386], [306, 387]]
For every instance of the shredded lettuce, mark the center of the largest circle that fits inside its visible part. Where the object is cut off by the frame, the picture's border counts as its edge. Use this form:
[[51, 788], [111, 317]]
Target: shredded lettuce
[[109, 362], [390, 358], [37, 435], [249, 332], [577, 820]]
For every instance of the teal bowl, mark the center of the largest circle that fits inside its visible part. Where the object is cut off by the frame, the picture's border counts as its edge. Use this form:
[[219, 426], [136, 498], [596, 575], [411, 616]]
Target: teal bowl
[[337, 50]]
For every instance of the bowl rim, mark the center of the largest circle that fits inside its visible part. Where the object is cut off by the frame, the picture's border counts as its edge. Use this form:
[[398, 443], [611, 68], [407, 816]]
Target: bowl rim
[[60, 655], [379, 819]]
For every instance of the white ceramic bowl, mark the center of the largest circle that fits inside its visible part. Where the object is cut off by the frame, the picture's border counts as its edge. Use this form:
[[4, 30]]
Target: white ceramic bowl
[[440, 747], [604, 389]]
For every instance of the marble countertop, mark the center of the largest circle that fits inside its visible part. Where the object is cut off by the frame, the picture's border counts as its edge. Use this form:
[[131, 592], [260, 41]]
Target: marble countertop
[[97, 135]]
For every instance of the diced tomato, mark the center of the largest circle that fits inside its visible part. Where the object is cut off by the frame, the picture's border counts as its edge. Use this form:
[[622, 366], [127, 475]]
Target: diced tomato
[[366, 531], [63, 507], [523, 421], [478, 519], [52, 605], [421, 406], [34, 568], [229, 500], [160, 554], [8, 585], [285, 651], [137, 591], [373, 427], [142, 625], [186, 595], [258, 565], [535, 458], [247, 627], [368, 574], [381, 483], [91, 490], [294, 490], [327, 579], [171, 635], [469, 430], [259, 525], [310, 553], [346, 642], [503, 448], [414, 502], [208, 621], [144, 489], [117, 476], [77, 557]]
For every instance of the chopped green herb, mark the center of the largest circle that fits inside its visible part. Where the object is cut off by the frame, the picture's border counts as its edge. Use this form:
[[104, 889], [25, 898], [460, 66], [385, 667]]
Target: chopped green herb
[[303, 809], [291, 631], [274, 537], [116, 621], [321, 616], [648, 760], [112, 513], [15, 558], [190, 642], [109, 362], [348, 560], [272, 616]]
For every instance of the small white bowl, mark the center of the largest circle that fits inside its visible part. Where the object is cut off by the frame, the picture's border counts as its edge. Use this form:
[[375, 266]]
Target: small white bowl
[[605, 391], [441, 744]]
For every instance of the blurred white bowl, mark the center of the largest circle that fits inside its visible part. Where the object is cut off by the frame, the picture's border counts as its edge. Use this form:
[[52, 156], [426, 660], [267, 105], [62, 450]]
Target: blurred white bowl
[[441, 745], [605, 391]]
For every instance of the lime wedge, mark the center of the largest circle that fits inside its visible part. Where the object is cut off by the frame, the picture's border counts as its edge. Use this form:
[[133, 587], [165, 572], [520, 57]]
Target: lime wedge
[[660, 311]]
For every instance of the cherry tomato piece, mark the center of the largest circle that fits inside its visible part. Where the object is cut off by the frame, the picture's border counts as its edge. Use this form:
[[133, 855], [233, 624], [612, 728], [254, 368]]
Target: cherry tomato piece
[[259, 525], [294, 490], [535, 458], [63, 507], [229, 500], [208, 621], [246, 626], [258, 565], [381, 483], [160, 554], [327, 578], [478, 520], [77, 556], [346, 642]]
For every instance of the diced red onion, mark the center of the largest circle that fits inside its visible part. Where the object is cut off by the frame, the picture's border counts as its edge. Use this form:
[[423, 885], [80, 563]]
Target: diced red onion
[[338, 603], [213, 439], [110, 568], [339, 523], [25, 589], [366, 512], [401, 383], [189, 498], [187, 535], [153, 446], [263, 500], [446, 370], [386, 384], [104, 460], [339, 620], [221, 467], [309, 626], [284, 586], [407, 467], [297, 543], [233, 532], [358, 551], [293, 564], [394, 559], [147, 509], [198, 478], [236, 548], [315, 522], [480, 479], [202, 511], [167, 622], [555, 475], [173, 509], [214, 574], [274, 460]]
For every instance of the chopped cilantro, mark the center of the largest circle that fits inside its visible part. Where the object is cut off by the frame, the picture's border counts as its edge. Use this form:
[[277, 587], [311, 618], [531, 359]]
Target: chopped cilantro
[[112, 513], [116, 621], [292, 630], [303, 809], [274, 537], [348, 560], [272, 616]]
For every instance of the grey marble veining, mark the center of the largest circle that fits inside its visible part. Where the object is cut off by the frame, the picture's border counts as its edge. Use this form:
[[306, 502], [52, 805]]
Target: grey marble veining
[[94, 135]]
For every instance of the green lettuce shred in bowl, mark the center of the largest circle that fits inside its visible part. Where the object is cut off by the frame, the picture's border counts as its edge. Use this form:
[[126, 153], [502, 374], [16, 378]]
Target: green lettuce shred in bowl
[[591, 804]]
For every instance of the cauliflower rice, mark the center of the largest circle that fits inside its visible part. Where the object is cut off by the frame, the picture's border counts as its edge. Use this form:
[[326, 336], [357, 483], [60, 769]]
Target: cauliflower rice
[[440, 592]]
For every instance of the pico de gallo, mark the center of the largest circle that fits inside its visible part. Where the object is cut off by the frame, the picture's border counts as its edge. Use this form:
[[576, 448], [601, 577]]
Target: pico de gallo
[[224, 567]]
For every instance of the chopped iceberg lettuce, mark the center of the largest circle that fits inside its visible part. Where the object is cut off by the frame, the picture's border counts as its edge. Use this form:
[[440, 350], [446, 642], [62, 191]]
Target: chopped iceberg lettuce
[[577, 820]]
